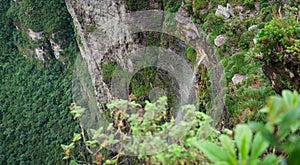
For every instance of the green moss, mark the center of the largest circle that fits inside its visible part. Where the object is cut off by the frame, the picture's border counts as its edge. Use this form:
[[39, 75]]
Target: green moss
[[108, 71], [91, 28], [191, 55], [249, 95], [136, 5], [246, 40], [150, 78], [153, 38], [249, 4], [213, 23], [171, 5], [199, 4]]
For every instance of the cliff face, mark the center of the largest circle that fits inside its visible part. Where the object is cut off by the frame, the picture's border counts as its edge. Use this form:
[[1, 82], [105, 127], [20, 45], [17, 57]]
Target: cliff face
[[109, 33], [94, 42], [199, 41]]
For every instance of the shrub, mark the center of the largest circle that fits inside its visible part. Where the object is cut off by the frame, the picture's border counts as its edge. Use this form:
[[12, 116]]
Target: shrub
[[252, 144], [283, 124], [281, 35], [191, 55]]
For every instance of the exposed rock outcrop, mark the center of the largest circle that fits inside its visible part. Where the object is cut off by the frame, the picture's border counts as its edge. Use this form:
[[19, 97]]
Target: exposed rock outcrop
[[95, 44], [112, 40], [202, 45], [56, 49], [283, 75], [34, 35]]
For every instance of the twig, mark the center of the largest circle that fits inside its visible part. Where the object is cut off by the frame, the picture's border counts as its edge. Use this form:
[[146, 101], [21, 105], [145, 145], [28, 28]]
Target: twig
[[84, 140]]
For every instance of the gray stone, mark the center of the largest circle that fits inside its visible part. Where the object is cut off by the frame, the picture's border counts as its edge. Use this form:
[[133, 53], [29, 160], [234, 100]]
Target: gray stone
[[252, 27], [237, 78], [257, 6], [39, 54], [34, 35], [226, 12], [56, 49], [220, 40]]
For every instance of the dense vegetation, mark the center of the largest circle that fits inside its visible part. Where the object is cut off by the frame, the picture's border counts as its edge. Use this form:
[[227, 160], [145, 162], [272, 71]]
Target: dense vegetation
[[252, 34], [195, 141], [34, 95]]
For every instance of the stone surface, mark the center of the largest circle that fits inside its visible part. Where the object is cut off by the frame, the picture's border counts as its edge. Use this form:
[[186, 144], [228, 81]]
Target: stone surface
[[237, 78], [220, 40], [257, 6], [34, 35], [197, 38], [39, 54], [226, 12], [111, 41], [252, 27], [56, 49]]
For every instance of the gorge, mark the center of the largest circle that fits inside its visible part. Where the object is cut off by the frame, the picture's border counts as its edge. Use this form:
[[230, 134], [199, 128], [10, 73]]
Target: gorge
[[223, 57]]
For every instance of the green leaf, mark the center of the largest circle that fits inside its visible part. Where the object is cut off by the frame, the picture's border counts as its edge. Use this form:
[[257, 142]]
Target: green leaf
[[229, 147], [76, 137], [293, 158], [243, 138], [289, 121], [290, 98], [275, 108], [72, 162], [213, 152], [91, 143], [110, 161], [67, 147], [96, 133], [78, 111], [222, 163], [265, 130], [66, 157], [270, 159], [258, 147]]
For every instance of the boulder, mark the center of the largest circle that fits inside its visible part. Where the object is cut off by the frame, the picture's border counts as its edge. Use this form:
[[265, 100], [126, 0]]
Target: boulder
[[237, 78], [226, 12], [220, 40]]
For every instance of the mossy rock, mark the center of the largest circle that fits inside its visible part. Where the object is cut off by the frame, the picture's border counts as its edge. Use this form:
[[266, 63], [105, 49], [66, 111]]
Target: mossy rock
[[108, 70], [191, 55]]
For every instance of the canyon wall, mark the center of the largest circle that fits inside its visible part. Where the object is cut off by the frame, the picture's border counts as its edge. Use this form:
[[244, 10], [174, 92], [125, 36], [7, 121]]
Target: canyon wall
[[108, 32]]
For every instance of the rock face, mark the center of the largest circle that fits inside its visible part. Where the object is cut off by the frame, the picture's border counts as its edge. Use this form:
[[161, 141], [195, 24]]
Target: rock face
[[202, 45], [91, 15], [287, 71], [39, 54], [104, 37]]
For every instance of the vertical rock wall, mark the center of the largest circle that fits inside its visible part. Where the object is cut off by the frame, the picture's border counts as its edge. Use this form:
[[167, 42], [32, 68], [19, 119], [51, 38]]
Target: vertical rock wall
[[99, 43], [96, 42]]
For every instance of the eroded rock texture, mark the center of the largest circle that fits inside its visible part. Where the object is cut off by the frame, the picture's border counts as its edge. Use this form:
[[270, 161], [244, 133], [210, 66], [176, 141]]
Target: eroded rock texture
[[109, 33], [89, 16]]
